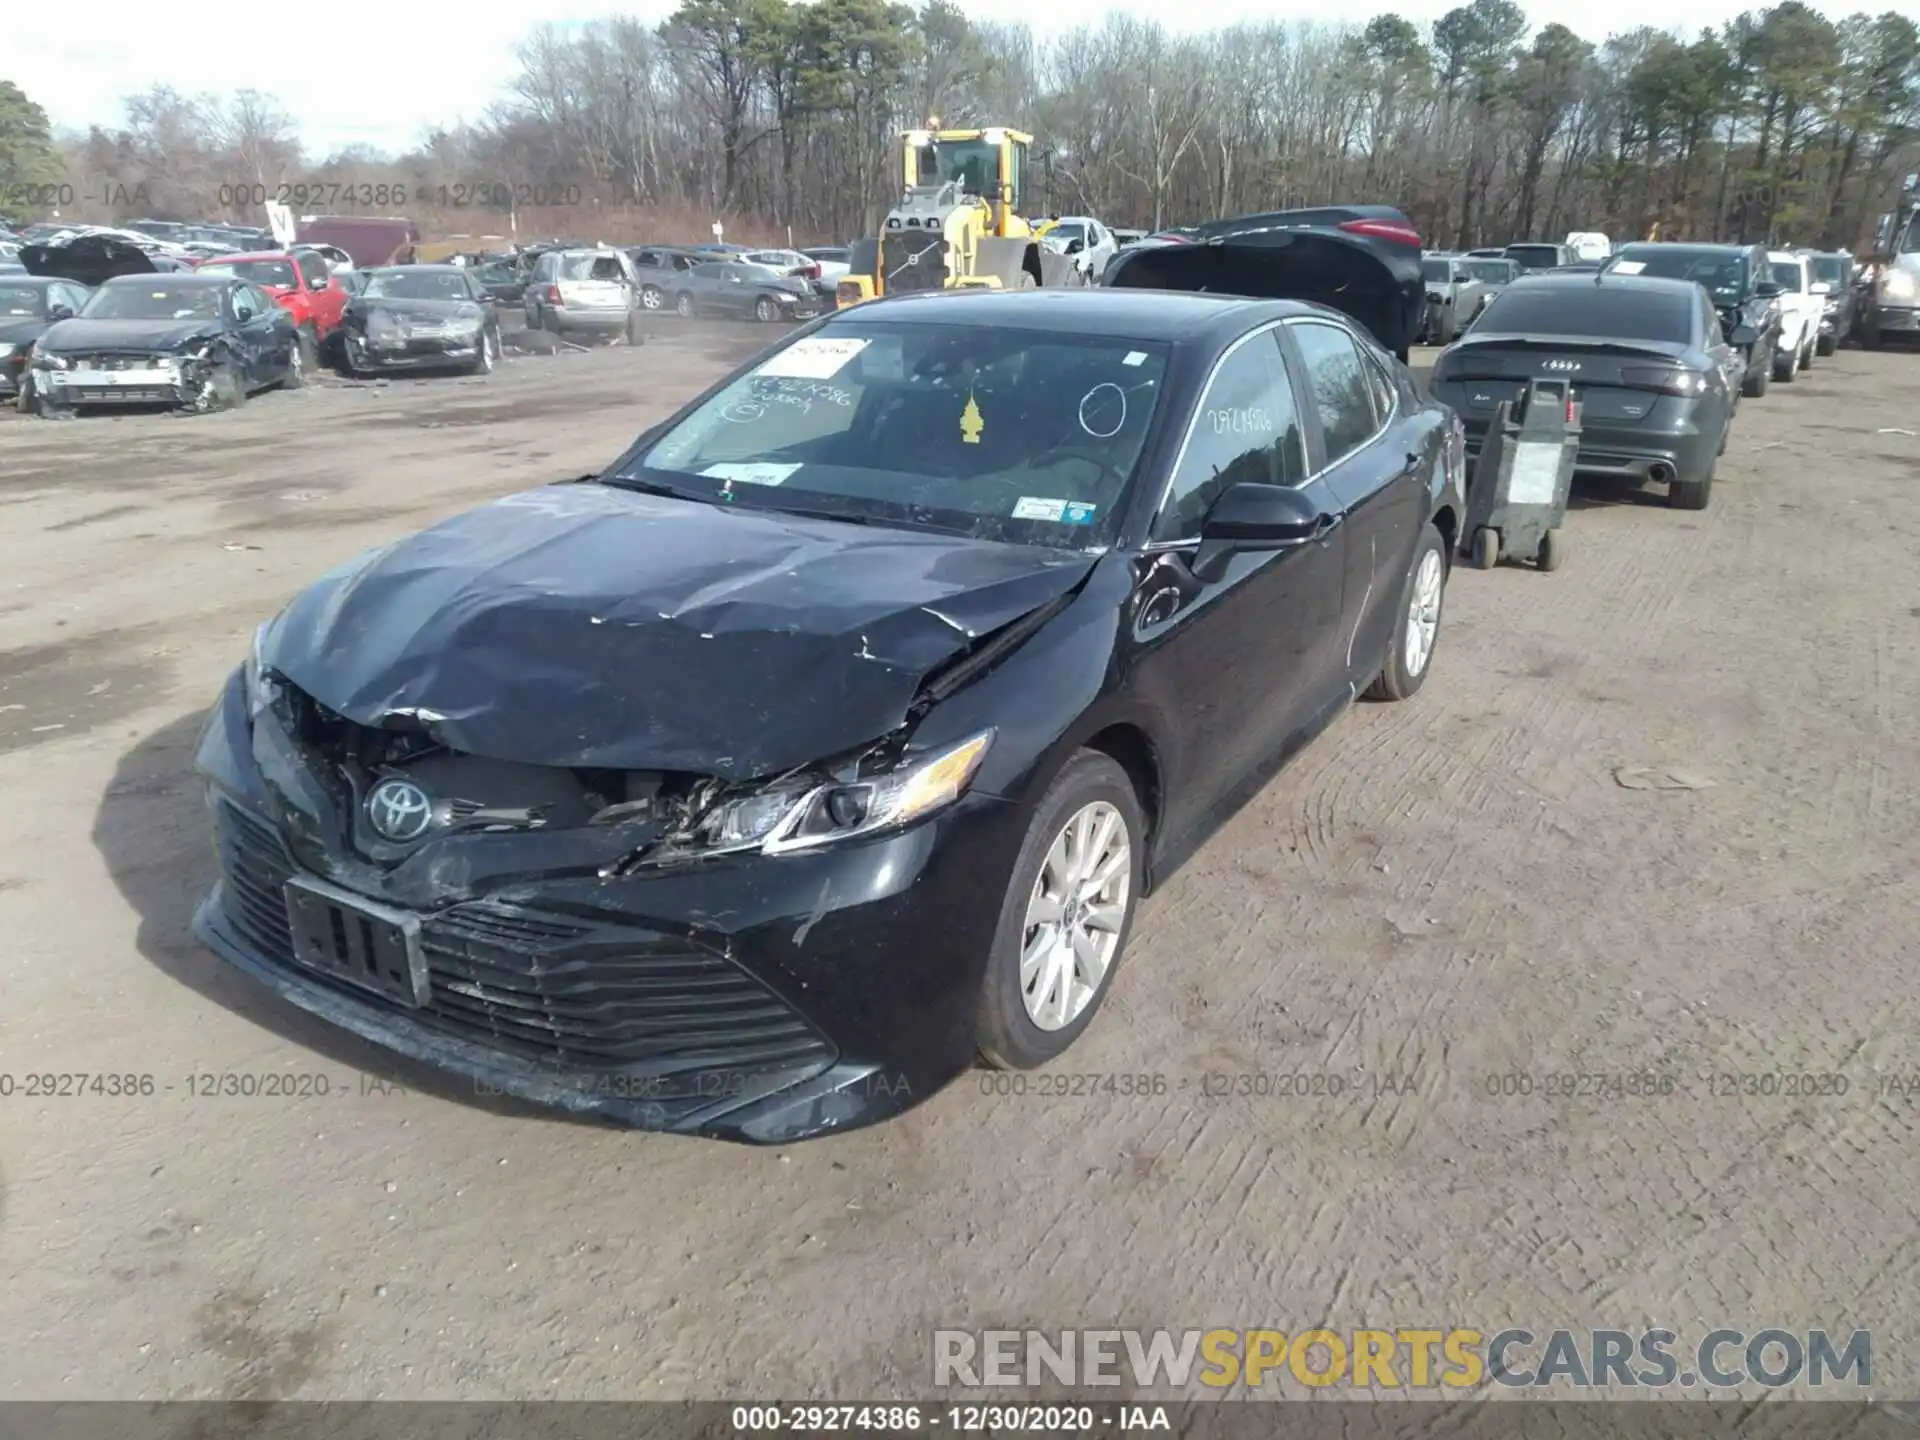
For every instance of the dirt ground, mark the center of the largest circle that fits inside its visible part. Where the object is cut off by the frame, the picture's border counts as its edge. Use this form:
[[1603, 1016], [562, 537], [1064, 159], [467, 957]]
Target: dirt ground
[[1474, 885]]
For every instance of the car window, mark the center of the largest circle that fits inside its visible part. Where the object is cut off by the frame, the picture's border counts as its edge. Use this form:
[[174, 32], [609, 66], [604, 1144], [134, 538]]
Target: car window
[[19, 301], [1788, 275], [1384, 394], [712, 270], [1342, 392], [1245, 428], [1026, 436], [1622, 310]]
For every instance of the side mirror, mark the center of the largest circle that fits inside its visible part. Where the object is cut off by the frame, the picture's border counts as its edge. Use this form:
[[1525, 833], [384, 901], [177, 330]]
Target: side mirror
[[1744, 335], [1253, 516], [1074, 247], [60, 312], [319, 282], [1821, 287]]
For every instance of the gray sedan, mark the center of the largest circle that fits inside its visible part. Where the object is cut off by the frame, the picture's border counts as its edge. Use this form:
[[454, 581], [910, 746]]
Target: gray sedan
[[733, 287]]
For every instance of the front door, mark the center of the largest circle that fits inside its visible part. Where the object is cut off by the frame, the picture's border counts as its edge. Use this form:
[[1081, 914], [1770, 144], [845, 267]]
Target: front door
[[1236, 659]]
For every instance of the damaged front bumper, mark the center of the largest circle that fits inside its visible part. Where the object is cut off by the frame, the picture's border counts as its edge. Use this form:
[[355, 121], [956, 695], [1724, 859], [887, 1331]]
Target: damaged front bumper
[[165, 380], [755, 998], [411, 351]]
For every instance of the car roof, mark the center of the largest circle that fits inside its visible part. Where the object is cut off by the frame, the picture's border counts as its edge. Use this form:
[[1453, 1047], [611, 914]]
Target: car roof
[[173, 277], [1784, 255], [1121, 314], [253, 255], [1599, 280], [1677, 247]]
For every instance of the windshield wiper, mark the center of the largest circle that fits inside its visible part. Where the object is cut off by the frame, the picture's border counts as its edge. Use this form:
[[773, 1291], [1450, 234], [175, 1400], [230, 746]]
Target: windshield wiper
[[653, 487]]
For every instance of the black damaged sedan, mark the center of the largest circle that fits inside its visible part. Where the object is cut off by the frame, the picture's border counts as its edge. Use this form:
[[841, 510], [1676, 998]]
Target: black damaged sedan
[[826, 741]]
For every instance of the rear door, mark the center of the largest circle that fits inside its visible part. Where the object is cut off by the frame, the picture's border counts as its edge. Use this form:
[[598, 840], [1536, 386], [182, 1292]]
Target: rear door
[[1356, 441], [1238, 658], [593, 283]]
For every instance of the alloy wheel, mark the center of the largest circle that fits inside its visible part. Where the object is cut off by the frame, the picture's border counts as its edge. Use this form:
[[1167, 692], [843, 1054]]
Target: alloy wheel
[[1423, 612], [1075, 915]]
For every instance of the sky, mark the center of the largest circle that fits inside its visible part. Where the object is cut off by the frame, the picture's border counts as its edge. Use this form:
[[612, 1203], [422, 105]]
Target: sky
[[386, 78]]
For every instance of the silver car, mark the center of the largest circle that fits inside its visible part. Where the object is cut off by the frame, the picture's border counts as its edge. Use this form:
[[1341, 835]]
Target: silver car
[[573, 291]]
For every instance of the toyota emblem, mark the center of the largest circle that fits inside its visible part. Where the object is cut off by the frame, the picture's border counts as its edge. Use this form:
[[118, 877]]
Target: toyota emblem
[[399, 810]]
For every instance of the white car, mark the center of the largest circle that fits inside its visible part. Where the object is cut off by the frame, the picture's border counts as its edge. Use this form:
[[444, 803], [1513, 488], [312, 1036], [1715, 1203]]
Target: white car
[[1803, 302], [1097, 245], [835, 261]]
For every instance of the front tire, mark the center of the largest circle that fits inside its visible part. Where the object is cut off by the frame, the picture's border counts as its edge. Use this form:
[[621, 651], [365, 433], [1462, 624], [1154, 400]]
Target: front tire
[[1416, 633], [1067, 915], [1759, 375], [652, 298], [300, 365], [765, 311], [1824, 346], [483, 363]]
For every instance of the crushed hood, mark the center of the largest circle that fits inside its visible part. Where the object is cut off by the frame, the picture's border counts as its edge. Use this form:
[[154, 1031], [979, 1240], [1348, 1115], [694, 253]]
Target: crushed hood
[[1282, 264], [87, 259], [81, 334], [587, 626]]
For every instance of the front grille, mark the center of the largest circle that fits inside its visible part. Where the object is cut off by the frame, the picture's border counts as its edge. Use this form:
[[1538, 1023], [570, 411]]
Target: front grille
[[551, 989], [119, 360], [914, 260]]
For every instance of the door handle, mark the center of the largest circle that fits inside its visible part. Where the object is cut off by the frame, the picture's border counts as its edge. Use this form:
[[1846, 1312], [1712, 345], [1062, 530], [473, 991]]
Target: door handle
[[1327, 523]]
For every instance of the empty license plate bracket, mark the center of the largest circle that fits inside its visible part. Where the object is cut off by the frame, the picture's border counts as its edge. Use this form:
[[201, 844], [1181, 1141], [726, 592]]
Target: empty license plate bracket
[[343, 937]]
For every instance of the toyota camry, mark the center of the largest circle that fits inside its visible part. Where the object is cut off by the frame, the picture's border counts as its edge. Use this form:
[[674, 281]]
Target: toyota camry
[[824, 742]]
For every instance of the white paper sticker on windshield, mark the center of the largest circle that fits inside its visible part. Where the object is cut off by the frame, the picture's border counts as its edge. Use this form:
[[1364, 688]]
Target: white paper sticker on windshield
[[760, 474], [815, 358], [1033, 507], [1135, 357], [1628, 267]]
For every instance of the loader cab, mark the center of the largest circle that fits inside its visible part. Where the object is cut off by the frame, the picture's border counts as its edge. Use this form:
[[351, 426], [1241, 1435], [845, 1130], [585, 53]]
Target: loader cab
[[989, 163]]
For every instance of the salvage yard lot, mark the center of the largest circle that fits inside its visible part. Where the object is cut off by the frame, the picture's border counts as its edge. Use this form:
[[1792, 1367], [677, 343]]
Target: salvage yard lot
[[1657, 813]]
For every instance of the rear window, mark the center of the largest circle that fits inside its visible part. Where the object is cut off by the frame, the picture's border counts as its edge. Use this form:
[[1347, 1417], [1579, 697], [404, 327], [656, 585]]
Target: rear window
[[1830, 268], [1787, 275], [591, 267], [1437, 270], [1611, 312], [1535, 257]]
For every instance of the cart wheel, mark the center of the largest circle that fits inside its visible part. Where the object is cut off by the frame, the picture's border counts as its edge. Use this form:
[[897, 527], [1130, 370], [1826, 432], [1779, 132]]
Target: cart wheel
[[1549, 556], [1486, 548]]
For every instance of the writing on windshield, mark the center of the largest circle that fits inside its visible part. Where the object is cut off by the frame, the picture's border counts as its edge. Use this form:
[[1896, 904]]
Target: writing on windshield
[[936, 426], [414, 285], [145, 300]]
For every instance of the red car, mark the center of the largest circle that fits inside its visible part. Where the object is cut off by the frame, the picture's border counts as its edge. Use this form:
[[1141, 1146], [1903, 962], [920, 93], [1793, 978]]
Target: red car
[[299, 282]]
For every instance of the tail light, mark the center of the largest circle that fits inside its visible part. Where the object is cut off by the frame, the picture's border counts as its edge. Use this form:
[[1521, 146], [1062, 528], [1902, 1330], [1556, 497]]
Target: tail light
[[553, 295], [1572, 417], [1686, 383], [810, 272], [1383, 230]]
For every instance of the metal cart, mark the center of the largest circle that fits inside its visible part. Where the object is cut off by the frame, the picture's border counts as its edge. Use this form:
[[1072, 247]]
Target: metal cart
[[1517, 497]]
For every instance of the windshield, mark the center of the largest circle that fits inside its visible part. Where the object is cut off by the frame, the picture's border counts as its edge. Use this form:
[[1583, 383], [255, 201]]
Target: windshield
[[1493, 272], [1535, 257], [415, 285], [1439, 270], [1600, 311], [759, 272], [260, 272], [1788, 276], [1724, 275], [22, 301], [974, 163], [1832, 269], [1007, 434], [149, 299]]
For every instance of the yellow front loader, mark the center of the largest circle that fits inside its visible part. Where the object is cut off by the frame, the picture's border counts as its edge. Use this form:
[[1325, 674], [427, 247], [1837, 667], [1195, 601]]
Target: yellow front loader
[[958, 223]]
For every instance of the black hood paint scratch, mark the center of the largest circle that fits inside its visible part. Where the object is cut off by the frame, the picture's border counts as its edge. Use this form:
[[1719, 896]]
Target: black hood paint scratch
[[587, 626]]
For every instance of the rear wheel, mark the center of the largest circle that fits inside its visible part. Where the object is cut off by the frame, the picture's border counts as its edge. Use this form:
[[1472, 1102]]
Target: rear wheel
[[1066, 916], [1410, 655], [1786, 366], [1551, 551], [1823, 346], [1690, 494], [652, 298], [1759, 374], [1486, 548]]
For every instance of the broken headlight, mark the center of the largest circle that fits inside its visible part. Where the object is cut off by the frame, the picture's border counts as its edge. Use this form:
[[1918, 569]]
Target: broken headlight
[[47, 360], [262, 689], [801, 813]]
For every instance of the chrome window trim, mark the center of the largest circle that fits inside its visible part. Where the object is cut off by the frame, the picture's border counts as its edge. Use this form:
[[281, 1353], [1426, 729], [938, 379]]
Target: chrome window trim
[[1380, 423], [1269, 329]]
